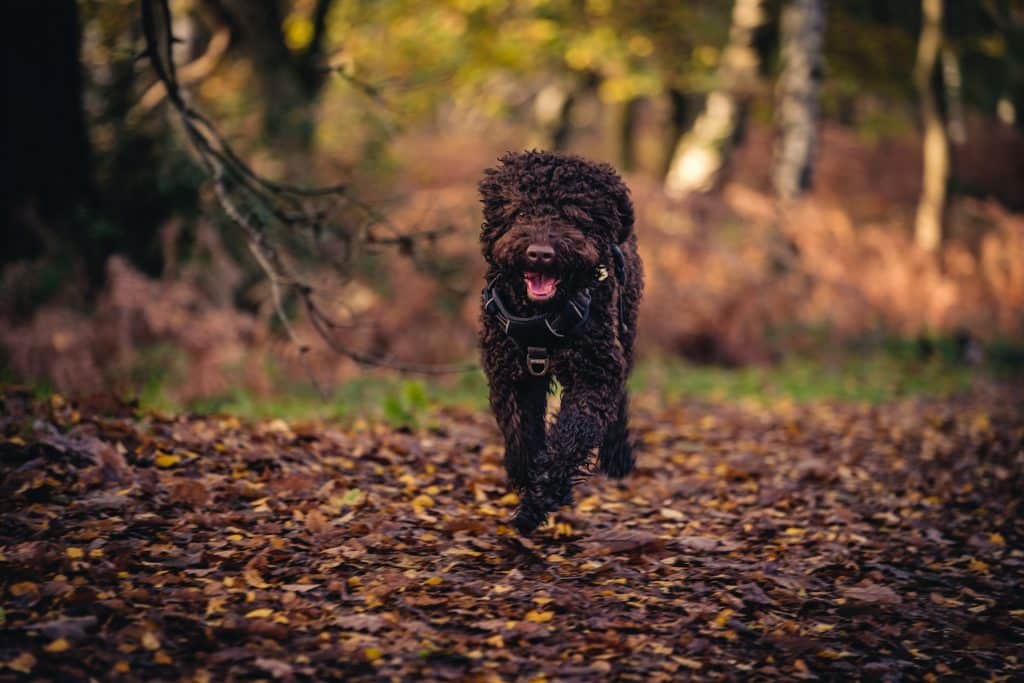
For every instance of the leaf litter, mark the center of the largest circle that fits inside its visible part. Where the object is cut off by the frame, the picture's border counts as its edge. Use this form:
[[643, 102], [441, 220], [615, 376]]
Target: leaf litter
[[754, 543]]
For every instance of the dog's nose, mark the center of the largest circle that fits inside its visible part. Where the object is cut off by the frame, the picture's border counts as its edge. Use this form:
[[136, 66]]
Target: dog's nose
[[539, 254]]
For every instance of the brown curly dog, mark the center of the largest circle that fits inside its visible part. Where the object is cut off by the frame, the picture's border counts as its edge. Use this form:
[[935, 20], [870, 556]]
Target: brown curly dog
[[563, 284]]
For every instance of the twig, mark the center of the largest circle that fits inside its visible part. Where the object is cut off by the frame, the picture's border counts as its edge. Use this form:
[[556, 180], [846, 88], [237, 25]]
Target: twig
[[237, 186]]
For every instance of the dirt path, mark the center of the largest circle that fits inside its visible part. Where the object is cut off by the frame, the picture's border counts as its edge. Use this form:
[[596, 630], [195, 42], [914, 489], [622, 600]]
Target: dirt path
[[822, 541]]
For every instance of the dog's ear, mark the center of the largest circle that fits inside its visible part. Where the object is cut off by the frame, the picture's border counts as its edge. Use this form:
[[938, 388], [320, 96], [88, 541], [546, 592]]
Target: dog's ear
[[500, 209], [624, 209]]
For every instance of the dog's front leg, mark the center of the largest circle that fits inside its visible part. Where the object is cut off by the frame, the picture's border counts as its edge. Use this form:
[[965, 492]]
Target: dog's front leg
[[519, 407], [583, 419]]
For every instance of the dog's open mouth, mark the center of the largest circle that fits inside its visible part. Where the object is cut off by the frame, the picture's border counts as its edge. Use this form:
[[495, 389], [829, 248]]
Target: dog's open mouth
[[540, 286]]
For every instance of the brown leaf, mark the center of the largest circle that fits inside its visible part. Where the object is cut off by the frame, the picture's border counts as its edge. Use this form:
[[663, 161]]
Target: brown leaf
[[370, 623], [620, 541], [317, 522], [189, 491], [872, 593]]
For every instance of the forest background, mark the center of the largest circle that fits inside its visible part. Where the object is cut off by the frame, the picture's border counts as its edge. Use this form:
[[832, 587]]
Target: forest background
[[829, 195]]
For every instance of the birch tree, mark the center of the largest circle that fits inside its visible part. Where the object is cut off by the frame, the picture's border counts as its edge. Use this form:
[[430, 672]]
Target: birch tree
[[796, 113], [702, 153], [931, 207]]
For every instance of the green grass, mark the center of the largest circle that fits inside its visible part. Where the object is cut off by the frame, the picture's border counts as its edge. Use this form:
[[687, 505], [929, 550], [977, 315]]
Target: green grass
[[873, 373], [872, 379], [390, 398]]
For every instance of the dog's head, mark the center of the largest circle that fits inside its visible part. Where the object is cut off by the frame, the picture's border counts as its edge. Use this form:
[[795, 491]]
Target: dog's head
[[550, 219]]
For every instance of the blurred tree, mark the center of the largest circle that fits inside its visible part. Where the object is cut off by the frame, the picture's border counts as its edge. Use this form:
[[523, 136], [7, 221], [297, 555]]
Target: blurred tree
[[624, 128], [286, 51], [702, 153], [552, 115], [47, 159], [931, 207], [796, 112]]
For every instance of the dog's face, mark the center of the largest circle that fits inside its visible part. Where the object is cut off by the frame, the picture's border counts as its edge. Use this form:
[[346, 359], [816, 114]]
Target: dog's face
[[550, 220], [546, 253]]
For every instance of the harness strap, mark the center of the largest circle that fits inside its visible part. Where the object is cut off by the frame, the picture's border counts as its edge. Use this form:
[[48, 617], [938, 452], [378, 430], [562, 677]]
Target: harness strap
[[538, 334]]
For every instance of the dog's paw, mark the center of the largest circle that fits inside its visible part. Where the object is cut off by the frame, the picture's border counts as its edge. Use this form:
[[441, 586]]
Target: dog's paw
[[618, 463], [528, 516]]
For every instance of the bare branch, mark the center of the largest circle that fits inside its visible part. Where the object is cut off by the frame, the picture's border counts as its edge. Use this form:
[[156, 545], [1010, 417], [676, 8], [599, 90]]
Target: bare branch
[[254, 203]]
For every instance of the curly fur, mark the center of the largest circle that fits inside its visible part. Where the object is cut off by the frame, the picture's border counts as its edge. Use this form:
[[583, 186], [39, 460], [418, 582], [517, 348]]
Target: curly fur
[[581, 209]]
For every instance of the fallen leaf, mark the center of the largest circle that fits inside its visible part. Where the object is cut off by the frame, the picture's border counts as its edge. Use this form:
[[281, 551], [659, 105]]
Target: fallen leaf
[[23, 663], [59, 645], [166, 460], [259, 613], [872, 593]]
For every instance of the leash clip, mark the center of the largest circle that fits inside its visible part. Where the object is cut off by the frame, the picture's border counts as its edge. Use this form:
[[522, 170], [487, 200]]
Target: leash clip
[[537, 360]]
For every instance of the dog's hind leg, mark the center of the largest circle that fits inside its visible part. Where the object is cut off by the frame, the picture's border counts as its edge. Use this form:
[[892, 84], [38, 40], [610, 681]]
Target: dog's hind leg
[[615, 457]]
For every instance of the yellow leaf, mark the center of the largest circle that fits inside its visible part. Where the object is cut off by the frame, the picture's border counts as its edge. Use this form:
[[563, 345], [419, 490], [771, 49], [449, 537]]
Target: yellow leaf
[[23, 663], [670, 514], [496, 641], [215, 605], [823, 628], [997, 539], [150, 641], [539, 617], [75, 553], [509, 499], [688, 663], [59, 645], [22, 587], [261, 613], [423, 501], [542, 600], [978, 566], [795, 531], [501, 588], [434, 581], [165, 460], [253, 578], [373, 653], [162, 657], [723, 618]]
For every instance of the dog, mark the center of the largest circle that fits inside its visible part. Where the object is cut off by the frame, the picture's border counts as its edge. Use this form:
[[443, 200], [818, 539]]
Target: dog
[[563, 286]]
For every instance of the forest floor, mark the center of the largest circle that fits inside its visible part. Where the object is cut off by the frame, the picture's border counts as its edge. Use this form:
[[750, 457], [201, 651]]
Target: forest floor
[[820, 540]]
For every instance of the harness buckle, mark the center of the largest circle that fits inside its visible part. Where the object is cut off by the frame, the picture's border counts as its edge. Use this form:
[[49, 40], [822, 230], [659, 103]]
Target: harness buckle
[[537, 360]]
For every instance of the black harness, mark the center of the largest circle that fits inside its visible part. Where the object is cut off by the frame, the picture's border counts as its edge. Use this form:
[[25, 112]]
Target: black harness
[[537, 335]]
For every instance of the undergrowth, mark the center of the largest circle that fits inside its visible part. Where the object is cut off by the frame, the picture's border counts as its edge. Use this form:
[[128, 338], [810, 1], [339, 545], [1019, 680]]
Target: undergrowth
[[873, 374]]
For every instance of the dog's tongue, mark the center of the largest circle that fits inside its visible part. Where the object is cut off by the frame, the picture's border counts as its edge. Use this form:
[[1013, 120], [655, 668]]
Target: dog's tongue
[[540, 286]]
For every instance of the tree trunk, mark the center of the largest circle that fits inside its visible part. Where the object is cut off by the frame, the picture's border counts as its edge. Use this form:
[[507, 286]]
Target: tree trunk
[[552, 115], [680, 112], [47, 159], [953, 84], [289, 82], [931, 207], [623, 119], [702, 153], [803, 28]]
